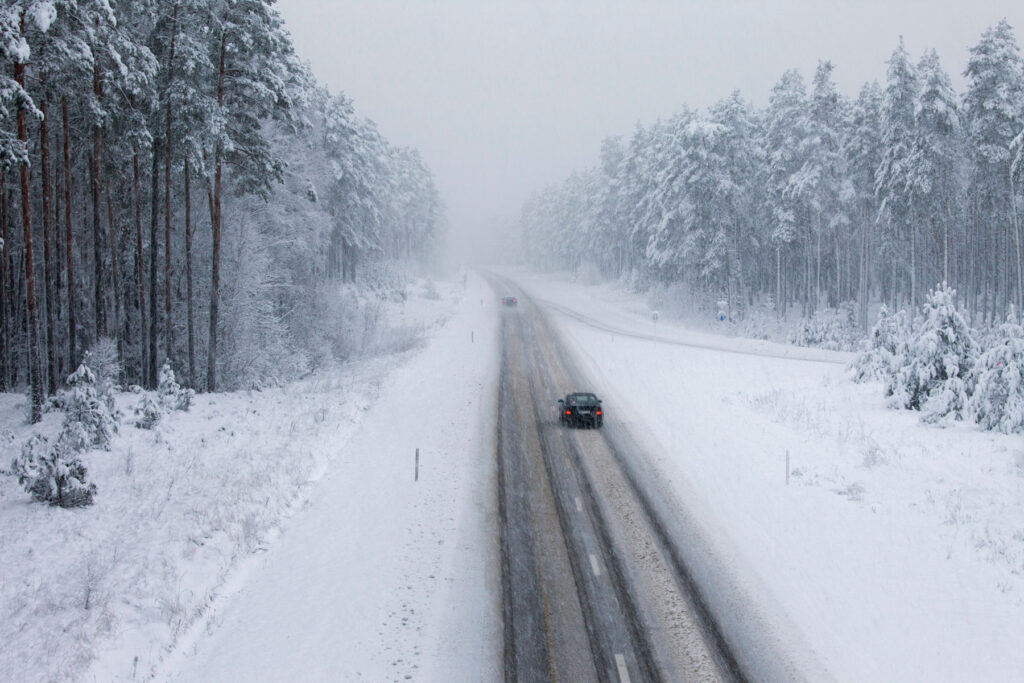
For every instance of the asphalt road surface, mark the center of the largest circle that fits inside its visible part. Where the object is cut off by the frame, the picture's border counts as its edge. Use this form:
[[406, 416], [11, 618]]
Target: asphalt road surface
[[594, 589]]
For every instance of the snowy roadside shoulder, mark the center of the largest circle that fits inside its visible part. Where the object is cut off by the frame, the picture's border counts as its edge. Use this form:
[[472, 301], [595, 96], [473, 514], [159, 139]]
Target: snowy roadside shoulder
[[103, 591], [389, 570]]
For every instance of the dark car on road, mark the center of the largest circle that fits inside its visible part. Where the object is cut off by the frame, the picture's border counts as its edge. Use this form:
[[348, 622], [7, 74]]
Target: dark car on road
[[580, 409], [509, 300]]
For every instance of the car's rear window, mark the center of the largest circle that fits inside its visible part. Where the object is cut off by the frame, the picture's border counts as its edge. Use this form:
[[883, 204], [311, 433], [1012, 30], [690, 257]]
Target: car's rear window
[[583, 399]]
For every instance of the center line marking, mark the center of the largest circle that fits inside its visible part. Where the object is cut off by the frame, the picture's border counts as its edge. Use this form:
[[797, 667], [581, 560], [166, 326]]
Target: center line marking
[[579, 504], [620, 664], [594, 565]]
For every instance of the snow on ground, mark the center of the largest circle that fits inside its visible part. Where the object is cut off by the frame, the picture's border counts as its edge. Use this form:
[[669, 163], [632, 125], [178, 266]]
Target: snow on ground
[[199, 510], [384, 577], [896, 550], [265, 534]]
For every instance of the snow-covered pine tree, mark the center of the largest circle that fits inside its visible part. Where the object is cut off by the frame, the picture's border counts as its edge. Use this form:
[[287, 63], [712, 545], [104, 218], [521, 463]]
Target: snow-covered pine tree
[[934, 167], [818, 180], [253, 62], [998, 399], [993, 107], [898, 237], [862, 148], [886, 344], [172, 395], [742, 214], [933, 377], [55, 474], [148, 413], [86, 406], [784, 131]]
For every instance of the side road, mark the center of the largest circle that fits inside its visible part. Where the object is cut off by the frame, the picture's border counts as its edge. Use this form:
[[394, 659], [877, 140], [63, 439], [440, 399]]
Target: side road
[[382, 577]]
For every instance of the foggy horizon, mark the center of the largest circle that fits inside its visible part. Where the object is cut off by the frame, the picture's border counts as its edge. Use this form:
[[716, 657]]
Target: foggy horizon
[[505, 99]]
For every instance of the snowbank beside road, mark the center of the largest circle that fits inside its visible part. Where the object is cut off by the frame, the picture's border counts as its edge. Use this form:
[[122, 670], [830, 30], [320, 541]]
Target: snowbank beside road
[[896, 548]]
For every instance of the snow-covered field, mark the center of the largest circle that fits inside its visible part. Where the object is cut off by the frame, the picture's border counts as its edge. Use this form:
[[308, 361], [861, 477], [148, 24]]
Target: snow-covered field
[[895, 550], [199, 508]]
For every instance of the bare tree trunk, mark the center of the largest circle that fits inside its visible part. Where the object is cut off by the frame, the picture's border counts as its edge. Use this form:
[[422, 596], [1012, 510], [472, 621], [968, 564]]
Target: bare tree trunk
[[154, 252], [215, 226], [1016, 237], [945, 247], [69, 251], [817, 263], [913, 268], [168, 317], [993, 251], [807, 279], [118, 327], [48, 257], [837, 296], [97, 228], [863, 283], [188, 276], [35, 361], [778, 282], [140, 277], [5, 290]]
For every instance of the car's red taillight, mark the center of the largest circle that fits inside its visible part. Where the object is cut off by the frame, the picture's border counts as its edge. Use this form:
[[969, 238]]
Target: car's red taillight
[[568, 412], [599, 412]]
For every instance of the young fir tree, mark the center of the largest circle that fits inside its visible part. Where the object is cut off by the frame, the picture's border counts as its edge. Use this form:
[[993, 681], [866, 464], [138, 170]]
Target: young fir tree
[[998, 377], [934, 375]]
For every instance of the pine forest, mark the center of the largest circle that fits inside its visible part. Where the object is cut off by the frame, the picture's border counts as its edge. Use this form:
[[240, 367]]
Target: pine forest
[[817, 202], [175, 186]]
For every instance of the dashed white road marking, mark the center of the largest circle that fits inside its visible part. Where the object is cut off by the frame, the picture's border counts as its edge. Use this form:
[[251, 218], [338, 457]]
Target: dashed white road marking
[[620, 664], [579, 504], [594, 565]]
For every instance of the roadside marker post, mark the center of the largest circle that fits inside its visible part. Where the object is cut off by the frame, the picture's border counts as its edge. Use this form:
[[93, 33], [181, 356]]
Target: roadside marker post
[[416, 476]]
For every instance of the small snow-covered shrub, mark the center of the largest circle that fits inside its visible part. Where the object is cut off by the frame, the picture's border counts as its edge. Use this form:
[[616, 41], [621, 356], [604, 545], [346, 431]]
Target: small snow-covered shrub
[[148, 413], [834, 329], [54, 474], [933, 375], [886, 345], [90, 407], [172, 396], [998, 399], [102, 359]]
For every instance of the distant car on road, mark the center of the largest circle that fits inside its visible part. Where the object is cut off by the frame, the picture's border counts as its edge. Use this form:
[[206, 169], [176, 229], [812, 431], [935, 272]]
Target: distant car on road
[[509, 300], [580, 409]]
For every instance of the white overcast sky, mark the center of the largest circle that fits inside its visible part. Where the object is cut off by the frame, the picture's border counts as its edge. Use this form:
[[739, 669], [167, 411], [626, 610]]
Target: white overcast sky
[[505, 97]]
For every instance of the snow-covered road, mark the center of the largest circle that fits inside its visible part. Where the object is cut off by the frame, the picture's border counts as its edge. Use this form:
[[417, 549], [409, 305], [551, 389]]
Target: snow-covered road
[[382, 577]]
